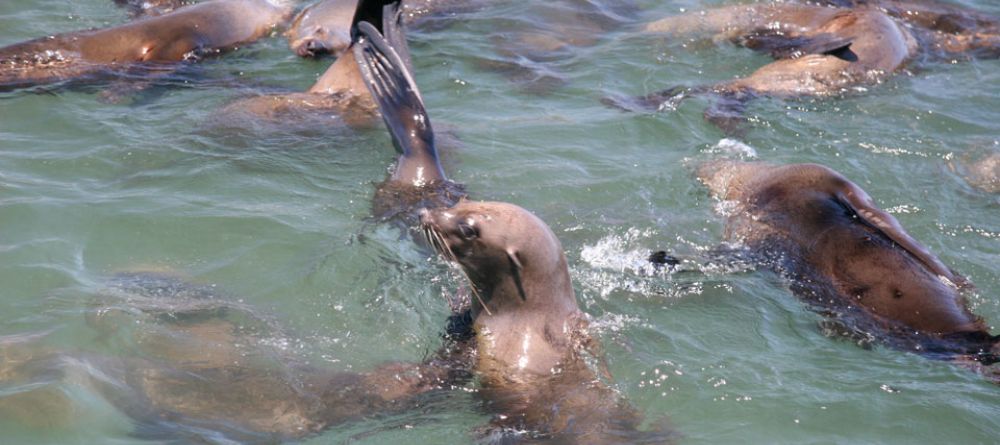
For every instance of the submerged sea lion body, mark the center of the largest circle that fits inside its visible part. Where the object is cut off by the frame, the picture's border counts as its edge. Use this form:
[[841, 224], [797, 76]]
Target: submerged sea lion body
[[186, 34], [981, 172], [846, 256], [193, 365]]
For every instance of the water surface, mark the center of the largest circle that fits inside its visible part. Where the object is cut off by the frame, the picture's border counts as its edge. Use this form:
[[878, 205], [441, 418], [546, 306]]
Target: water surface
[[277, 216]]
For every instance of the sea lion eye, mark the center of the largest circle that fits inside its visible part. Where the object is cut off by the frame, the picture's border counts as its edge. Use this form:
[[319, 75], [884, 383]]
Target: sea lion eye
[[468, 229]]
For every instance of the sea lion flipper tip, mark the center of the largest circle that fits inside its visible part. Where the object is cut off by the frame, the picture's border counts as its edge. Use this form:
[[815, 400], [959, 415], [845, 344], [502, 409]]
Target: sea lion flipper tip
[[388, 78], [865, 208]]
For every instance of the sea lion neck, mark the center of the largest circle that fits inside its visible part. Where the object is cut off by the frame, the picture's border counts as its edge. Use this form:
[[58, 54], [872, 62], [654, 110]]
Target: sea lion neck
[[525, 290]]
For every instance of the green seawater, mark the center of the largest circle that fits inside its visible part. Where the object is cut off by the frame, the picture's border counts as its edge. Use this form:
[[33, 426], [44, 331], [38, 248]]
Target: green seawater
[[278, 217]]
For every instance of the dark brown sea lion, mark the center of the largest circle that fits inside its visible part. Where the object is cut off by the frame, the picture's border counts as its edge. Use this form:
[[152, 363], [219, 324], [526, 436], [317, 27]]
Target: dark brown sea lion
[[531, 346], [848, 258], [186, 34]]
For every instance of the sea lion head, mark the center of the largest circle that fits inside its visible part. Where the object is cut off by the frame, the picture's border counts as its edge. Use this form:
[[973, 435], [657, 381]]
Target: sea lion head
[[315, 41], [511, 257], [323, 28]]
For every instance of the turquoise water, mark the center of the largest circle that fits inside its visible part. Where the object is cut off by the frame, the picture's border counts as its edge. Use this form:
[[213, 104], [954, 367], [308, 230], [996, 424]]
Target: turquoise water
[[277, 217]]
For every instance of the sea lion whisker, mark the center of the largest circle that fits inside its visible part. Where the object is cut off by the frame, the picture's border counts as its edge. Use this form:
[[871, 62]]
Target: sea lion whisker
[[450, 256]]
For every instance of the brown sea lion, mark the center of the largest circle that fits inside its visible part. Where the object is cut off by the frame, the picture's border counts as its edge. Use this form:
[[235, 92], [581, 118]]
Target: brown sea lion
[[849, 258], [820, 51], [186, 34], [531, 346]]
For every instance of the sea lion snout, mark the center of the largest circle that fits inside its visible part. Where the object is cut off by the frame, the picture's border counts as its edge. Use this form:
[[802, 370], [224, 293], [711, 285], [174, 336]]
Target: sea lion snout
[[321, 41]]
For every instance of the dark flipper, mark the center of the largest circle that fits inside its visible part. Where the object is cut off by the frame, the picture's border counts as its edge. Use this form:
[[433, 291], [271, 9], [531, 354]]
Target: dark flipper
[[386, 16], [862, 205], [781, 45], [665, 100], [389, 80], [728, 112]]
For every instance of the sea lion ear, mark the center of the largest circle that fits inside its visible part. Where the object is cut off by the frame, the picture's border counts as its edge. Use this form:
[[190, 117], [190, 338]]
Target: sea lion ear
[[512, 254], [516, 272]]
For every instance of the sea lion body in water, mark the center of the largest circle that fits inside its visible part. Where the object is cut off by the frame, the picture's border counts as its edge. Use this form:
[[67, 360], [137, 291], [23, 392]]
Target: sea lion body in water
[[846, 256], [185, 34], [821, 50], [530, 341], [193, 365]]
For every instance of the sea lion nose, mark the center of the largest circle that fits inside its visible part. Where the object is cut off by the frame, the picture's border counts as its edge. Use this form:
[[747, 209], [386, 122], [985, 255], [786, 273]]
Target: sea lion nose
[[316, 47], [425, 216]]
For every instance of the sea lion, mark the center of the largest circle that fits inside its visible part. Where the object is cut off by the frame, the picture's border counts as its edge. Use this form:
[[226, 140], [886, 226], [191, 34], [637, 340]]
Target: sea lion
[[531, 345], [820, 51], [183, 35], [531, 340], [848, 258]]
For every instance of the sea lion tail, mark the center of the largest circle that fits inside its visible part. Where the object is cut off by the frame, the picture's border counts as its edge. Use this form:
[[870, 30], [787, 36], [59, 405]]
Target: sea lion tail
[[388, 77]]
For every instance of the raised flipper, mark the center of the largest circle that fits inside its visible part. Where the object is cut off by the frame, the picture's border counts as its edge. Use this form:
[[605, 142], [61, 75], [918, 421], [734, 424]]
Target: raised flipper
[[859, 201], [391, 84], [780, 45]]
